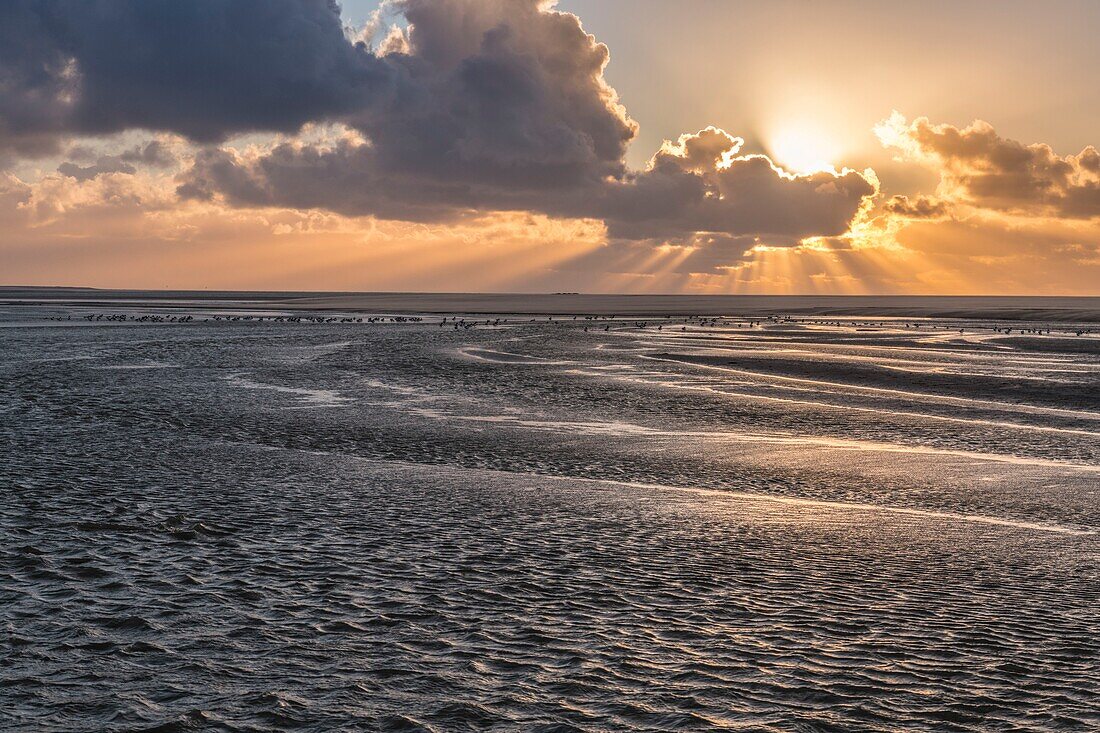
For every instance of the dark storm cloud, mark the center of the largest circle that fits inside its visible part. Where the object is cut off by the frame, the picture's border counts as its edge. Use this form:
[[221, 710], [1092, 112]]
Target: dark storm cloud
[[346, 178], [202, 68], [36, 77], [151, 154], [497, 104], [106, 164], [154, 153], [498, 92]]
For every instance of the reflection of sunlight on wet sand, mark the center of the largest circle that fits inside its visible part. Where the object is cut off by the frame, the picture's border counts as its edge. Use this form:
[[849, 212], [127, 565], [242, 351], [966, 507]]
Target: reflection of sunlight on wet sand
[[308, 397], [914, 395], [859, 507], [661, 379], [505, 357], [811, 505], [472, 483], [443, 409], [870, 446], [942, 359]]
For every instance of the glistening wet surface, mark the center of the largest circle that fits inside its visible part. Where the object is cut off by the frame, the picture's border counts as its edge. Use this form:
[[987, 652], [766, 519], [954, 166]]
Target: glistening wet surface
[[532, 526]]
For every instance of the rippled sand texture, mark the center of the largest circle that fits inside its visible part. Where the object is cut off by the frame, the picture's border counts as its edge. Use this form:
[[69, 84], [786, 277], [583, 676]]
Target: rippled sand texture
[[402, 526]]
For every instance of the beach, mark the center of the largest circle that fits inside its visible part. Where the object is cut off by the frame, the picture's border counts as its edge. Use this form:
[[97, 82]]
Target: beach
[[241, 511]]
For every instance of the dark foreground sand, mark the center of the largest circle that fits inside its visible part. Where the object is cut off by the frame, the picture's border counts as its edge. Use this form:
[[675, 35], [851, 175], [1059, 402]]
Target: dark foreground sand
[[322, 523]]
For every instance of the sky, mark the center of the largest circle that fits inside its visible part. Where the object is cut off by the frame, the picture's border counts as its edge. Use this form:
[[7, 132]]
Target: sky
[[643, 146]]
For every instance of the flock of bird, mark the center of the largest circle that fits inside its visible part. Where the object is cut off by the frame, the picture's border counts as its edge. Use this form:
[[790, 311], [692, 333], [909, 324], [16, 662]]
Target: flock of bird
[[150, 318], [593, 322]]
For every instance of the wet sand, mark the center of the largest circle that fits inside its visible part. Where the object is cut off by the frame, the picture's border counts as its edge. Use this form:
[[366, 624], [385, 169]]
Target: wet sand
[[515, 523]]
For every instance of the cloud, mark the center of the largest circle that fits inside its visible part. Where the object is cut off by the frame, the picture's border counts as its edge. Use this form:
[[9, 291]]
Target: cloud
[[345, 177], [702, 184], [697, 185], [106, 164], [495, 102], [916, 207], [205, 69], [980, 168], [502, 91], [87, 196], [118, 230], [498, 92], [1005, 217], [476, 105], [153, 153]]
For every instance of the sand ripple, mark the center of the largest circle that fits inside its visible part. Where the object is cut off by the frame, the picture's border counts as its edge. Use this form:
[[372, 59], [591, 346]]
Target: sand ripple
[[569, 538]]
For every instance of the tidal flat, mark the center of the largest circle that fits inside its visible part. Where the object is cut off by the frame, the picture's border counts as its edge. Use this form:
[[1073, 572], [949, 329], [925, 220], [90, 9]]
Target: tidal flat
[[236, 514]]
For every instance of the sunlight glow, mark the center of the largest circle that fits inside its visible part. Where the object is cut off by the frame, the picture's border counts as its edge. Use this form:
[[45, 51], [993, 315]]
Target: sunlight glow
[[802, 148]]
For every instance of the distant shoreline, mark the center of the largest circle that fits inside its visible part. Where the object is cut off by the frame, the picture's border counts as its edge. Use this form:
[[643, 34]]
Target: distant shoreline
[[1063, 309]]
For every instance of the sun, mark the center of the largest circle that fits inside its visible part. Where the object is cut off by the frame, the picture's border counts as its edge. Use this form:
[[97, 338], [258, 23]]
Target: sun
[[802, 148]]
